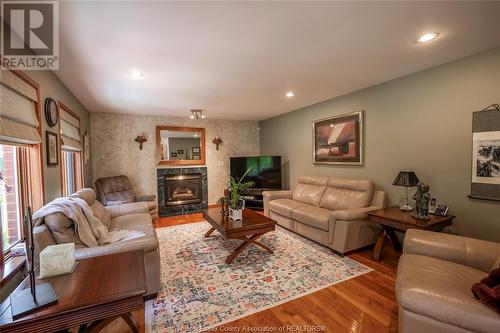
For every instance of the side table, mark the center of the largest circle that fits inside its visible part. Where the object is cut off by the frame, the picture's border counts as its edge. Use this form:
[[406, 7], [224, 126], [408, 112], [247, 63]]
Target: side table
[[393, 219]]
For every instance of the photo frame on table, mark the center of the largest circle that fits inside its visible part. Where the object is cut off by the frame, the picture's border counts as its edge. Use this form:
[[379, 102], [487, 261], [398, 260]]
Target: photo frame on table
[[441, 210], [339, 139], [52, 146]]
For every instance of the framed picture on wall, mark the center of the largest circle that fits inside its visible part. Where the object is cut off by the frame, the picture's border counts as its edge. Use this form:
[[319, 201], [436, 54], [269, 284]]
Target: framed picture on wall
[[196, 157], [196, 150], [339, 139], [173, 155], [52, 148], [180, 151]]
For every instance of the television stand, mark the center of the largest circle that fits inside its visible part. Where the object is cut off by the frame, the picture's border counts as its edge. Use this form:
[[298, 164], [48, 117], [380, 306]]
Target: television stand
[[254, 199]]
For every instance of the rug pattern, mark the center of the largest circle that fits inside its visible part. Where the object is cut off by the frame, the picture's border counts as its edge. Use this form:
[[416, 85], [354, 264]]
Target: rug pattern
[[200, 291]]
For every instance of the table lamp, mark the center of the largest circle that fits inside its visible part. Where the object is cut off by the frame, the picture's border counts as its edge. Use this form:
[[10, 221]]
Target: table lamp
[[407, 179]]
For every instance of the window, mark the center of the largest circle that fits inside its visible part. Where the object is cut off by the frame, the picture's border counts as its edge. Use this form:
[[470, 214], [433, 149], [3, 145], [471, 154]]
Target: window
[[71, 156], [9, 197], [21, 178], [72, 172]]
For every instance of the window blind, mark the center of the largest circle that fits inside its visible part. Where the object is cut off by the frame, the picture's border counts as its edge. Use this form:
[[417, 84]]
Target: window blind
[[70, 131], [18, 121]]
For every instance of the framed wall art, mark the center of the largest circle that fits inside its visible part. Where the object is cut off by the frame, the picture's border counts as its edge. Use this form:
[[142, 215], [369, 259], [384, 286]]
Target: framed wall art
[[485, 176], [339, 139], [52, 148]]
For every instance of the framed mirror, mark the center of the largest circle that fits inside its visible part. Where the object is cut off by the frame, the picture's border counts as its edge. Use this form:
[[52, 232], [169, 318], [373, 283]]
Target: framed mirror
[[180, 145]]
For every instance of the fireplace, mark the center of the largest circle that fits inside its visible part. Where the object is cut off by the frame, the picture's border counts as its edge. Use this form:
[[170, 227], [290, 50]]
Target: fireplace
[[182, 189]]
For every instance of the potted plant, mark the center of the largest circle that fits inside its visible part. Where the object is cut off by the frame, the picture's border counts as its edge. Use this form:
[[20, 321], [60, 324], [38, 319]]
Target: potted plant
[[236, 204]]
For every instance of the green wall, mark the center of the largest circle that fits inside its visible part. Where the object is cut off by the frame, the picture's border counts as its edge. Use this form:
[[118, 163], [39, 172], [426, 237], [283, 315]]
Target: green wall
[[420, 122], [51, 86]]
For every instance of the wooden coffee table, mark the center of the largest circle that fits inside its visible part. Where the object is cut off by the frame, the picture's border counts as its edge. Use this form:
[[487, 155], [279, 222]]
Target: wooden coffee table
[[393, 219], [100, 290], [253, 226]]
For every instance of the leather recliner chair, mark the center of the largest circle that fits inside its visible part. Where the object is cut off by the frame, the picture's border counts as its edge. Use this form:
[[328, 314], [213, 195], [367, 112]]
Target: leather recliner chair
[[117, 190], [434, 280]]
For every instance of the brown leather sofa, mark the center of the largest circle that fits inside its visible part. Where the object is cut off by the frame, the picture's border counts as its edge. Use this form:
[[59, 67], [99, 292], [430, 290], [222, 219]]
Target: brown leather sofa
[[118, 190], [434, 280], [328, 210], [58, 229]]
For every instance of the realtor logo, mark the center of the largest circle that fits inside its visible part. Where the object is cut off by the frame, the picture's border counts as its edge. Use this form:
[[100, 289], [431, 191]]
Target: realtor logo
[[30, 35]]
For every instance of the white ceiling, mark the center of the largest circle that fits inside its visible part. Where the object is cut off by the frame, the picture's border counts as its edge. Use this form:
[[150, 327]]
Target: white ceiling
[[236, 60]]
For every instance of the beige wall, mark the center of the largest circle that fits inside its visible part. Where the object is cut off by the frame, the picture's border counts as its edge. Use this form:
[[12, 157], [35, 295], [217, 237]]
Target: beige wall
[[421, 122], [115, 152], [51, 86]]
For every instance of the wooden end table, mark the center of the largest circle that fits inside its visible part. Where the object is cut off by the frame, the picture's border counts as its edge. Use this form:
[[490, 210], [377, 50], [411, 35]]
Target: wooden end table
[[393, 219], [253, 226], [100, 290]]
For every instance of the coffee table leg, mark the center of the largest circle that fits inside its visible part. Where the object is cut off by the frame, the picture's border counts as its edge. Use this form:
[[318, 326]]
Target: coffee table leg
[[379, 245], [131, 322], [246, 241], [209, 231]]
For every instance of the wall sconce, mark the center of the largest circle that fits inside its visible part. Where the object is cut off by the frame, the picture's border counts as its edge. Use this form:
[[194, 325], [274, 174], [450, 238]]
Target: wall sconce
[[217, 141], [141, 139]]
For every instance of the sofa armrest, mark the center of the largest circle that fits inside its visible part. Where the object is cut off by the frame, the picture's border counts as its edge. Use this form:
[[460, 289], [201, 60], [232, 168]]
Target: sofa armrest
[[146, 244], [273, 195], [151, 197], [128, 208], [471, 252], [352, 214]]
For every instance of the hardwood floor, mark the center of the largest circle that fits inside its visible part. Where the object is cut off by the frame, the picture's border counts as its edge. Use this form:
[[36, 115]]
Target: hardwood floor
[[366, 303]]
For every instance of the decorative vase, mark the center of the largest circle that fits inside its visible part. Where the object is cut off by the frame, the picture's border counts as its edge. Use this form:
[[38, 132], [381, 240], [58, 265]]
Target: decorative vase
[[236, 214]]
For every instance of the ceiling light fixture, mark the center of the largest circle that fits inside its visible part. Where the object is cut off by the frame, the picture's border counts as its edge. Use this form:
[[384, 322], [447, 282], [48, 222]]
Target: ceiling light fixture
[[137, 75], [428, 37], [197, 114], [290, 94]]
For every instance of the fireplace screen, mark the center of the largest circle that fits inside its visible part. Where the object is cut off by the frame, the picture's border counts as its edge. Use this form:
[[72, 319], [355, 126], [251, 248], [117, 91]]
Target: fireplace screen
[[182, 189]]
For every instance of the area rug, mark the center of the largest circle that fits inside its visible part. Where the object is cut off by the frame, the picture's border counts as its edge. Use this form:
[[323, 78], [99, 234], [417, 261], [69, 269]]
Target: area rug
[[199, 291]]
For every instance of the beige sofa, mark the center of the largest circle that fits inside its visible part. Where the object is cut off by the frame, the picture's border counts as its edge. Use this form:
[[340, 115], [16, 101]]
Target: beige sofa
[[58, 229], [328, 210], [434, 280]]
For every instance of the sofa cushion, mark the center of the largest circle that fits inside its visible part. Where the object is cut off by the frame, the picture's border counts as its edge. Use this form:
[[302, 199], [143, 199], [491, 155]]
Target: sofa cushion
[[309, 189], [101, 213], [136, 221], [346, 194], [440, 290], [284, 207], [62, 228], [312, 216]]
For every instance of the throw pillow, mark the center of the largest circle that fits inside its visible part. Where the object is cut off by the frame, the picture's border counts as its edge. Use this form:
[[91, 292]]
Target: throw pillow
[[488, 290], [101, 213], [62, 229]]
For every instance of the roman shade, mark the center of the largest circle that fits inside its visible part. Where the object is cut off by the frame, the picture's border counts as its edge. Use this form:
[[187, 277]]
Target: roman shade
[[18, 120], [70, 131]]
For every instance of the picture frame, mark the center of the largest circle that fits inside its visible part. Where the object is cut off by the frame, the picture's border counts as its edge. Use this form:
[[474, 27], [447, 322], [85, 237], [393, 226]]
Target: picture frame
[[180, 151], [173, 154], [196, 150], [196, 157], [441, 210], [52, 147], [339, 139], [432, 205]]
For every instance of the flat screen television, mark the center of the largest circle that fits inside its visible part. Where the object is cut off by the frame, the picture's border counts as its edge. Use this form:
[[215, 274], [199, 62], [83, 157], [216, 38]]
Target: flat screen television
[[265, 172]]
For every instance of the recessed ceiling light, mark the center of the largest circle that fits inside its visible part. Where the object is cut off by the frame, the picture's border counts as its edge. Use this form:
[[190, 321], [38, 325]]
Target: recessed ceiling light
[[137, 75], [428, 37], [290, 94]]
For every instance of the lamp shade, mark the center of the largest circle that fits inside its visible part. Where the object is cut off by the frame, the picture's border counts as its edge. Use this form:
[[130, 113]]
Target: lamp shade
[[406, 178]]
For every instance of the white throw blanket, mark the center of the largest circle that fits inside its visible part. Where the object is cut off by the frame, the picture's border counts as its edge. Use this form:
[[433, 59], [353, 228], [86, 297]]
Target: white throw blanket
[[87, 227]]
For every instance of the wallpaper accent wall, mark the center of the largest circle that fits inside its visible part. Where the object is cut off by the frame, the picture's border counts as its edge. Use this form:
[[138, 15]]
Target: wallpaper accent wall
[[115, 152]]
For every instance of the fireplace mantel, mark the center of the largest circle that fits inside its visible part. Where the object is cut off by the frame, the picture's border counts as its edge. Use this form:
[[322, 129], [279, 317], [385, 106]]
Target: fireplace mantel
[[171, 210]]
